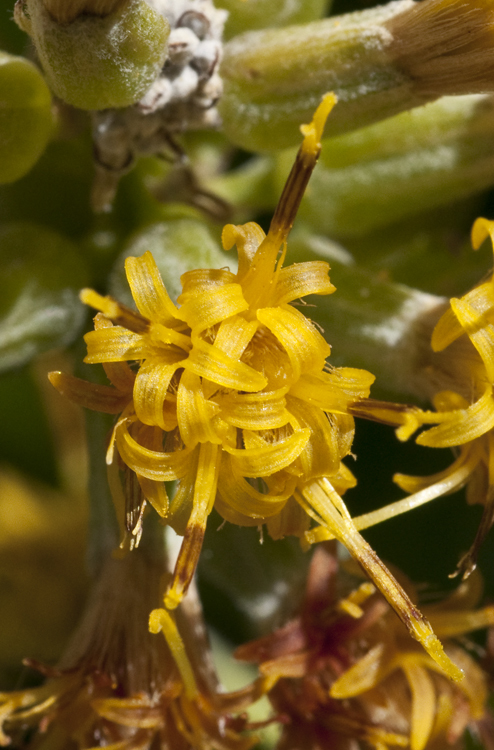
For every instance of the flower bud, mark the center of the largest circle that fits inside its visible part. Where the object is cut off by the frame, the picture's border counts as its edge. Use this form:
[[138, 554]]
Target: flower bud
[[25, 116], [96, 60]]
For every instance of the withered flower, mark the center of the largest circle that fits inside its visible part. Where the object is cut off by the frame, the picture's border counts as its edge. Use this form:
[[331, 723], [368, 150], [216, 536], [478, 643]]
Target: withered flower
[[346, 673]]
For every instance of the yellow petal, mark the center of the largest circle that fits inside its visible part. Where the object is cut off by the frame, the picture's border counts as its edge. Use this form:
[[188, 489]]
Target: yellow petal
[[479, 330], [449, 328], [482, 228], [150, 391], [423, 703], [161, 621], [148, 290], [155, 493], [160, 338], [182, 501], [237, 493], [195, 412], [474, 686], [156, 465], [234, 335], [303, 343], [300, 279], [201, 279], [462, 425], [255, 411], [247, 238], [449, 481], [362, 676], [208, 468], [229, 514], [202, 310], [333, 391], [209, 362], [321, 456], [455, 623], [416, 484], [119, 373], [114, 345], [272, 457]]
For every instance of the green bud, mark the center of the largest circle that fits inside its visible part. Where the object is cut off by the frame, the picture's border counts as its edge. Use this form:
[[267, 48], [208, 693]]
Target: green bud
[[26, 120], [262, 14], [40, 276], [98, 62], [378, 62]]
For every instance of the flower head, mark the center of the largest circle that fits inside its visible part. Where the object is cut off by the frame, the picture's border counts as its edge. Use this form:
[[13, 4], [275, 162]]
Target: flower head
[[463, 340], [232, 397], [119, 687], [344, 672]]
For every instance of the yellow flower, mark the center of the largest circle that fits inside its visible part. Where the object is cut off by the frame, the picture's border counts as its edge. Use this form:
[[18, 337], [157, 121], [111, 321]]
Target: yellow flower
[[233, 397], [464, 418], [345, 672], [119, 687]]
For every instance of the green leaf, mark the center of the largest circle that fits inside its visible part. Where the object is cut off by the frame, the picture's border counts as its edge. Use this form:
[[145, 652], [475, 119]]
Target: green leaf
[[40, 276]]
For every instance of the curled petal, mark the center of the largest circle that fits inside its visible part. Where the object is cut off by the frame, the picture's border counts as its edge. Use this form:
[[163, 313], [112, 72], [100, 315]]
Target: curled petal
[[156, 465], [160, 335], [482, 228], [150, 391], [204, 309], [247, 238], [362, 676], [182, 501], [237, 493], [462, 425], [423, 703], [119, 373], [209, 362], [479, 330], [155, 493], [321, 455], [234, 335], [255, 411], [300, 279], [416, 484], [195, 412], [201, 279], [303, 343], [451, 624], [333, 391], [229, 514], [148, 290], [115, 344], [271, 457], [449, 327]]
